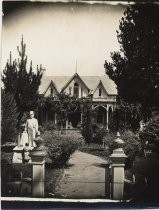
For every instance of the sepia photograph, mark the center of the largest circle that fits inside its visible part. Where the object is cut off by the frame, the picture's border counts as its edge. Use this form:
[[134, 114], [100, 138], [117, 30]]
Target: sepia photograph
[[80, 103]]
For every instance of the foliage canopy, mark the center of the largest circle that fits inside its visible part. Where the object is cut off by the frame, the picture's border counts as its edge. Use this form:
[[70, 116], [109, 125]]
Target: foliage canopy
[[9, 115], [22, 84], [66, 107], [135, 68]]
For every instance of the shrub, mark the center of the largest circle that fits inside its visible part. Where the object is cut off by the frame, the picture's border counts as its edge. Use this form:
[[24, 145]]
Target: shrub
[[98, 136], [9, 117], [87, 131], [109, 140], [41, 129], [95, 128], [132, 145], [60, 147], [125, 117], [49, 126], [150, 134]]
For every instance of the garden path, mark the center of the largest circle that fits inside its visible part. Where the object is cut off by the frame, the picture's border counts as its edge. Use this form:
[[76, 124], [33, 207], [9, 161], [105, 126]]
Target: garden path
[[84, 177]]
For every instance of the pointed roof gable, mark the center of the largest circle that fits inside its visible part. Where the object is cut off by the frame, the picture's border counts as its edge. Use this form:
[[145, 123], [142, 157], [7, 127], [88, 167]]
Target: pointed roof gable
[[100, 83], [90, 82], [93, 81], [59, 82], [52, 84], [70, 80]]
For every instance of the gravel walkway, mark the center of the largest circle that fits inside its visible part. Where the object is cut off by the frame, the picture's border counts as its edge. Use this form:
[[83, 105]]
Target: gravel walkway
[[84, 177]]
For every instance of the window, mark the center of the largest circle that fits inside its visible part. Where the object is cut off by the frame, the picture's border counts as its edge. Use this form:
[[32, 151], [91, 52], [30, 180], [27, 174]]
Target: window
[[51, 91], [70, 88], [81, 92], [100, 92], [76, 90]]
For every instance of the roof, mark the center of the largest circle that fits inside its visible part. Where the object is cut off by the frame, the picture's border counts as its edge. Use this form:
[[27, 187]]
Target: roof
[[70, 80], [91, 81], [59, 82]]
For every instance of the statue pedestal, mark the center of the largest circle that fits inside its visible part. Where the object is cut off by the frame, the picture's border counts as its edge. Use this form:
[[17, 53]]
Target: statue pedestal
[[18, 154]]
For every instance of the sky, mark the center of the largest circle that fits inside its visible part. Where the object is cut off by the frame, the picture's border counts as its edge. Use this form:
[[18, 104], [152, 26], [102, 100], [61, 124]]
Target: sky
[[59, 34]]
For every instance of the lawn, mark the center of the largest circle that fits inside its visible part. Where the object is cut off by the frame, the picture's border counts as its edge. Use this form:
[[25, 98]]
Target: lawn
[[95, 149]]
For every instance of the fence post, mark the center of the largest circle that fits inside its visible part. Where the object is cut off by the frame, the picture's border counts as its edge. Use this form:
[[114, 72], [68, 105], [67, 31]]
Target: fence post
[[118, 158], [38, 155]]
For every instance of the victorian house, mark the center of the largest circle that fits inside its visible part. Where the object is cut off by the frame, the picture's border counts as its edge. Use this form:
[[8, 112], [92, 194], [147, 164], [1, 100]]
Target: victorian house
[[102, 90]]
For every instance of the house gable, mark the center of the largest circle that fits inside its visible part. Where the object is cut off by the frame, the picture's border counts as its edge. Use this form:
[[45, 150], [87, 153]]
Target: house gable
[[51, 90], [88, 84], [76, 86], [100, 91]]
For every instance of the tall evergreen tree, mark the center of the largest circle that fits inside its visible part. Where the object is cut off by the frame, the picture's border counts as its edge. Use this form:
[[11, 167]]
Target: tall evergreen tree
[[9, 117], [21, 83], [135, 68]]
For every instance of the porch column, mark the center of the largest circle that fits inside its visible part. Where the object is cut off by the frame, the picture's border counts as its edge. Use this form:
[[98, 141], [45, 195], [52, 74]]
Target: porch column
[[107, 118], [55, 119], [66, 124], [79, 92], [81, 118]]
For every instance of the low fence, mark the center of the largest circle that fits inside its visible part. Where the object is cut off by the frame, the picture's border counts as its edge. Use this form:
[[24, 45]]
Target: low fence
[[17, 181], [36, 179]]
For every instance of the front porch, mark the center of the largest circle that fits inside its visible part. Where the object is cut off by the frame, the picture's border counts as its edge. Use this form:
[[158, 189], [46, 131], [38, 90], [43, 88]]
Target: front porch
[[101, 114]]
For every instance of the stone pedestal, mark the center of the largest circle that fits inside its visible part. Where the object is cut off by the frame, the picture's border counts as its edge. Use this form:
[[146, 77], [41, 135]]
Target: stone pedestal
[[17, 155], [117, 188], [38, 155]]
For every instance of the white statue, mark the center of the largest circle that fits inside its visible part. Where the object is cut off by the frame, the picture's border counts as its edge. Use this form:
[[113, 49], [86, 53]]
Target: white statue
[[31, 128]]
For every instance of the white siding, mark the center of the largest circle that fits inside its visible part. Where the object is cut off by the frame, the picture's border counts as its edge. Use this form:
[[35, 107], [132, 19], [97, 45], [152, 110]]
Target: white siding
[[71, 85], [103, 92], [48, 92]]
